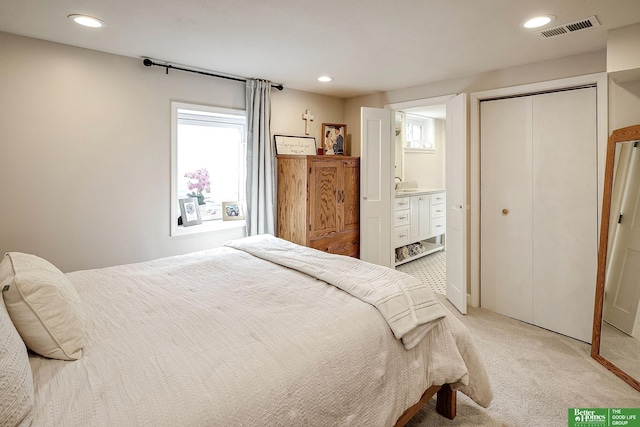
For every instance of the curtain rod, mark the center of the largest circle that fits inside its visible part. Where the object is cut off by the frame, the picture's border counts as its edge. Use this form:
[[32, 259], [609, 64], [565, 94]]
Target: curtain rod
[[148, 63]]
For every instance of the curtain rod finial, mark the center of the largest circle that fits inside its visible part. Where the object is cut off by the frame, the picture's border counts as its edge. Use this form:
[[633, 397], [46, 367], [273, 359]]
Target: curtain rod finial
[[147, 62]]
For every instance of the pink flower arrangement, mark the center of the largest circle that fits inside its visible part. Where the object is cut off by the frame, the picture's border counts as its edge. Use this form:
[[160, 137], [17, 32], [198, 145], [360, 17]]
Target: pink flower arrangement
[[202, 184]]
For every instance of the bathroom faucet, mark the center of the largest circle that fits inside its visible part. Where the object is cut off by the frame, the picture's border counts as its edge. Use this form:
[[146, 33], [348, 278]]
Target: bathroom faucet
[[396, 184]]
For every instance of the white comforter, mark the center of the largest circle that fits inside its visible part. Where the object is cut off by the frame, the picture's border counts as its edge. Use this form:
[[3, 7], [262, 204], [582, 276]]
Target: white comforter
[[408, 305], [221, 337]]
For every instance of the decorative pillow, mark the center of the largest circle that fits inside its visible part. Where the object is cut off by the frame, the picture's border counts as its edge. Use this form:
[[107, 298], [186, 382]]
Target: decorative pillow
[[16, 381], [43, 305]]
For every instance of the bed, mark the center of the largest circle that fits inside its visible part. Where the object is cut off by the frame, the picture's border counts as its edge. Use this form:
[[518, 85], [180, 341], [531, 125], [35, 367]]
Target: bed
[[257, 332]]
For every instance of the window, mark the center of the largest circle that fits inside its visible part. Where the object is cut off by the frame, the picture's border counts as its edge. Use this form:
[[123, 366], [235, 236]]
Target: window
[[208, 156], [420, 133]]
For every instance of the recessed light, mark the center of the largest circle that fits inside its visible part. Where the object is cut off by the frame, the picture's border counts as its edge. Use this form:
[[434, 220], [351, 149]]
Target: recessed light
[[87, 21], [324, 79], [538, 21]]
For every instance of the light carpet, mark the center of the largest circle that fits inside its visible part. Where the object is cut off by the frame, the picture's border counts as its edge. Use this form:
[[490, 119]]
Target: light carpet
[[536, 375]]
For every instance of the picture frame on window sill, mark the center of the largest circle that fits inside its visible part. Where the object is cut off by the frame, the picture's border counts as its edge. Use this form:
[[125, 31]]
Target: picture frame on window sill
[[232, 211], [190, 211], [334, 139]]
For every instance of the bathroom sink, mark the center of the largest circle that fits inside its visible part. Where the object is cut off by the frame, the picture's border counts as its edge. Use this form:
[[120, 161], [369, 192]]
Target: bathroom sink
[[409, 190]]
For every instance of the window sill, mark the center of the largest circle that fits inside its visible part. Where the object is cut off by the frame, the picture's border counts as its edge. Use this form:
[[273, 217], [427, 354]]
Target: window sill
[[206, 227], [420, 150]]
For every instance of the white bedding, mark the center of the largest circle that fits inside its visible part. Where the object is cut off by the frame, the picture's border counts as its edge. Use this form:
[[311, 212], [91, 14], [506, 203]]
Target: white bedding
[[408, 305], [221, 337]]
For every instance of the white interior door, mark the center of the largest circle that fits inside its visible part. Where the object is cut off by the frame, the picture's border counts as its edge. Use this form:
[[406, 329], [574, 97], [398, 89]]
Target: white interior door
[[376, 176], [456, 198], [505, 207], [622, 294], [565, 207]]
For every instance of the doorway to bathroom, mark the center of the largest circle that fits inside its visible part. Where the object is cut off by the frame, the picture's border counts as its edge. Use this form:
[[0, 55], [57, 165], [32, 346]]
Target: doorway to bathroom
[[420, 182]]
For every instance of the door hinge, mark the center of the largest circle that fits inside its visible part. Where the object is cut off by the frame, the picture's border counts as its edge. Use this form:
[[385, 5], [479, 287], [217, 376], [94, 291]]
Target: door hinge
[[309, 227], [620, 219], [635, 144]]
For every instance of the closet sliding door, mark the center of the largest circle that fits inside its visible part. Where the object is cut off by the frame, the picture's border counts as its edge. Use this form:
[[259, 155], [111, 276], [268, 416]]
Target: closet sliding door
[[565, 211], [539, 209], [506, 274]]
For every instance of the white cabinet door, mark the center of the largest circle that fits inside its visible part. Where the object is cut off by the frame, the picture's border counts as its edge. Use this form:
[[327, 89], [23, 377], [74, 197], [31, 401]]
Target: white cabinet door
[[420, 226]]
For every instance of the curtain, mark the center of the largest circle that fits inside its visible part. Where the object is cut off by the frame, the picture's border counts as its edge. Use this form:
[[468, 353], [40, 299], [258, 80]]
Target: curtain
[[260, 160]]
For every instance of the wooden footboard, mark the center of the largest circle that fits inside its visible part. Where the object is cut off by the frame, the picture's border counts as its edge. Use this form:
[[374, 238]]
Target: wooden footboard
[[445, 405]]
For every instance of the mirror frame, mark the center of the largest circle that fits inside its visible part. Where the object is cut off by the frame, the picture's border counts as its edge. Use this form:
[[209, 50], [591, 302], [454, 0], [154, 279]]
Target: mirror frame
[[630, 133]]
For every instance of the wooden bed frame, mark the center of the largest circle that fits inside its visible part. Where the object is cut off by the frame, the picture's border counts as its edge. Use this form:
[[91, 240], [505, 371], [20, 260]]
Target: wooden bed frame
[[446, 404]]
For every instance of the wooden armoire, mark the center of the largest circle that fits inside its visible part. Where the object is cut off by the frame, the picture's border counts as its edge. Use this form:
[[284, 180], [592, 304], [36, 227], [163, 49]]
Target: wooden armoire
[[318, 202]]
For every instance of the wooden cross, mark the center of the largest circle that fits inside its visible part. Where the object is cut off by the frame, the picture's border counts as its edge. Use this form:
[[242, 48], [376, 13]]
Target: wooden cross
[[307, 117]]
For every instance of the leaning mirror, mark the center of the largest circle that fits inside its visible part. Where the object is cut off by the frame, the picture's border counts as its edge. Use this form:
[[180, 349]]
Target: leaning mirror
[[616, 323]]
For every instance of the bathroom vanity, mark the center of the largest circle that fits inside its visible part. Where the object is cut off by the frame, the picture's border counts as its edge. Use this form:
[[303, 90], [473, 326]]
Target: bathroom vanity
[[419, 215]]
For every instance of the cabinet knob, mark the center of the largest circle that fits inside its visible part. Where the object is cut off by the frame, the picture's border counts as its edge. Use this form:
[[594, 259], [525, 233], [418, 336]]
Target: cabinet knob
[[364, 198], [353, 242], [505, 211]]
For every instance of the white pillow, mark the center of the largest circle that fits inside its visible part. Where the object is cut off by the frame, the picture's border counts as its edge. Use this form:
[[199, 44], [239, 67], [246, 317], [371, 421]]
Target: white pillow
[[43, 305], [16, 380]]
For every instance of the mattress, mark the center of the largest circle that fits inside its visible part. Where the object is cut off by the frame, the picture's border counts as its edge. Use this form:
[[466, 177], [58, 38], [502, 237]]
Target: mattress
[[221, 337]]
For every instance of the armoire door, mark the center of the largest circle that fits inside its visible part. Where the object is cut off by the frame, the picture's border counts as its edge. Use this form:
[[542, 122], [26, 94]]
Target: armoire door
[[539, 209], [324, 184], [350, 197]]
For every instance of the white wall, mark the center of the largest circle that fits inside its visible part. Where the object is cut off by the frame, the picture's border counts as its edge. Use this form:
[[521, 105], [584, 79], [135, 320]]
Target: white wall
[[624, 104], [622, 48], [571, 66], [289, 106], [623, 64], [85, 151]]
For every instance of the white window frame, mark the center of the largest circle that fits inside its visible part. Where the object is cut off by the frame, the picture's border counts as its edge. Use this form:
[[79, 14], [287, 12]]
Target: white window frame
[[428, 132], [207, 226]]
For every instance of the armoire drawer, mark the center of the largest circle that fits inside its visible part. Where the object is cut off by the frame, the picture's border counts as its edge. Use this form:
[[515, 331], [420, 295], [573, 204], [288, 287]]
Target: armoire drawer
[[341, 243], [402, 217], [401, 236]]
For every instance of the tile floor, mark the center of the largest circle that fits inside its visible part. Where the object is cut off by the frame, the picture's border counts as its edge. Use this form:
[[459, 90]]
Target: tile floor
[[430, 269]]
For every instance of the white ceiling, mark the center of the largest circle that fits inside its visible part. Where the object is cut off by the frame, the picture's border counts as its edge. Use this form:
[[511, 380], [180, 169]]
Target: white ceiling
[[366, 45]]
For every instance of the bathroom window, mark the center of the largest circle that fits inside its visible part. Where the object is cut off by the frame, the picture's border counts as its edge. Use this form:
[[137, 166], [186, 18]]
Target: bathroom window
[[420, 134]]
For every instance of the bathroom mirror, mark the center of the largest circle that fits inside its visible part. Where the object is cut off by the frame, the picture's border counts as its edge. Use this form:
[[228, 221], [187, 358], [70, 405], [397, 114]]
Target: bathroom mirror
[[616, 323]]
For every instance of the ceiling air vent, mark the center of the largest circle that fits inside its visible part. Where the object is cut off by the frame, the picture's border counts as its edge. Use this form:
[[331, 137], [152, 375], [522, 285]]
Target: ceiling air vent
[[570, 27]]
